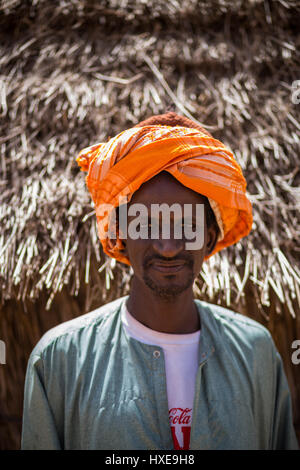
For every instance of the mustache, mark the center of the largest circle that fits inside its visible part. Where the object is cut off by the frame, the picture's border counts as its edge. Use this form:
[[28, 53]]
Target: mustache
[[187, 260]]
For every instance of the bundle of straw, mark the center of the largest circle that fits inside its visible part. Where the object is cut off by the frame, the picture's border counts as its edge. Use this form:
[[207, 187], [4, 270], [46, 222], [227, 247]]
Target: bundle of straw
[[74, 73]]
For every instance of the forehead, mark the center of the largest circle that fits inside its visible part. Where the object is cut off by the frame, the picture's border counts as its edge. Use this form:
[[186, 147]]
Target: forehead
[[163, 187]]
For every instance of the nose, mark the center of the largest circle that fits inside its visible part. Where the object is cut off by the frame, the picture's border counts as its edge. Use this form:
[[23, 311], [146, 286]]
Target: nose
[[168, 248]]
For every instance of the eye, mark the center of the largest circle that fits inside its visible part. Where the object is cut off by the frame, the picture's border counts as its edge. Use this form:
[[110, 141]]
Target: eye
[[148, 223], [188, 224]]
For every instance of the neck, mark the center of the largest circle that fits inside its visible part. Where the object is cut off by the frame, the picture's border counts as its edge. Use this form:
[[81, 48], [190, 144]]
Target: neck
[[177, 316]]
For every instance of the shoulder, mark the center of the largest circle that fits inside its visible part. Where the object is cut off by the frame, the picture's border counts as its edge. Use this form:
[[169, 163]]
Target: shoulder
[[242, 344], [236, 329], [230, 318], [78, 328]]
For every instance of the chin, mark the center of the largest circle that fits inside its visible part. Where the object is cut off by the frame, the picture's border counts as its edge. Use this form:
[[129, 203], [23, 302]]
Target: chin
[[167, 293]]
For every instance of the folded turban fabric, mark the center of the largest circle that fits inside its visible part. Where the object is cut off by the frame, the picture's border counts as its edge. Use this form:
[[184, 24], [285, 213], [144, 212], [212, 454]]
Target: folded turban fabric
[[117, 168]]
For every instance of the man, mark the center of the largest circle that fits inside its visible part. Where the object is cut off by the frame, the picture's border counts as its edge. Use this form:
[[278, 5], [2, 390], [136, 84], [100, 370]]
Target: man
[[158, 369]]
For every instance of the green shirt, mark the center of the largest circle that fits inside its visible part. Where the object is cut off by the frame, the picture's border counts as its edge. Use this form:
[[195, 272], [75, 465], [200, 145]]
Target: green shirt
[[90, 386]]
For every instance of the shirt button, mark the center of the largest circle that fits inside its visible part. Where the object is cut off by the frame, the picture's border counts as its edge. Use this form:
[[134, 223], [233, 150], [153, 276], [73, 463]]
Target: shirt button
[[156, 354]]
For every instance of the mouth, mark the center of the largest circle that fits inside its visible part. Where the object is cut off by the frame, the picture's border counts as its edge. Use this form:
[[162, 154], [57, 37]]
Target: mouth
[[167, 267]]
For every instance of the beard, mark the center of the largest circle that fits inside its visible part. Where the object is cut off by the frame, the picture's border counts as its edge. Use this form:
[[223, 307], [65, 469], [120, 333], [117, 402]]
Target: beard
[[170, 292]]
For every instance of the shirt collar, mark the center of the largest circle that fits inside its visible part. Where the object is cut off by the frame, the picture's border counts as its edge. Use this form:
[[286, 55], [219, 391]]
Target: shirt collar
[[208, 336]]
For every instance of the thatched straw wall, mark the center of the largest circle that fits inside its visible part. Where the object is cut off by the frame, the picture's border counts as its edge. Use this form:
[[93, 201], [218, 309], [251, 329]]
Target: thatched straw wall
[[74, 73]]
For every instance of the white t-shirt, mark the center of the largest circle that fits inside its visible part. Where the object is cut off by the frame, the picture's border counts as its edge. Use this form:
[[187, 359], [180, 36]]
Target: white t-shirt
[[181, 362]]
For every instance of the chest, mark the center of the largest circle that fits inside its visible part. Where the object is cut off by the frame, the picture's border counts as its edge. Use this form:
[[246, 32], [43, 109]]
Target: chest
[[125, 406]]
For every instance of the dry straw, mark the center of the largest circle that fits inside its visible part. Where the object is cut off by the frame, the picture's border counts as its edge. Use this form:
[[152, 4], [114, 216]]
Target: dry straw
[[74, 73]]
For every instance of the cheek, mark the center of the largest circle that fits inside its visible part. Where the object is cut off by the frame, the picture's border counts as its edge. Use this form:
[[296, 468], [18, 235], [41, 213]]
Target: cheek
[[135, 251], [198, 262]]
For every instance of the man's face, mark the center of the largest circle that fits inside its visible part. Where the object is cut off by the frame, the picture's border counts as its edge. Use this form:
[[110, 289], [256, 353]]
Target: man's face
[[165, 265]]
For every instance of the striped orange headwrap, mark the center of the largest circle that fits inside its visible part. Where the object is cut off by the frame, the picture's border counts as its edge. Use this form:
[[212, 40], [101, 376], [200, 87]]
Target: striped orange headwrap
[[117, 168]]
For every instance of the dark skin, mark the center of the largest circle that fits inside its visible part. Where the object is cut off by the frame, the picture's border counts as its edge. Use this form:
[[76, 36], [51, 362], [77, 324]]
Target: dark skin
[[160, 299]]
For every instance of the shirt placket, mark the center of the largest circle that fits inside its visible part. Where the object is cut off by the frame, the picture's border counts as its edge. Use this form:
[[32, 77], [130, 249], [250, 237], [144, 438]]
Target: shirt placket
[[161, 397], [206, 349]]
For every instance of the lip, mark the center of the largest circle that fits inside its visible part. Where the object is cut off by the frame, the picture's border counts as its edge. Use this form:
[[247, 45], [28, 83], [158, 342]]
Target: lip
[[167, 267]]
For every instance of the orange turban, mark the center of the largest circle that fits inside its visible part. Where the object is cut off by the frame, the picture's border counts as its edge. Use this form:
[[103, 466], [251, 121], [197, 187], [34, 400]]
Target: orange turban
[[117, 168]]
